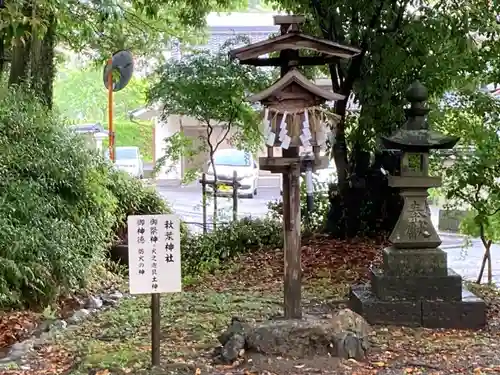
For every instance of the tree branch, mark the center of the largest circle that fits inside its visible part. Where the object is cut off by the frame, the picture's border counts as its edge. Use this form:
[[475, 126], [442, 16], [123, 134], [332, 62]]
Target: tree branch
[[396, 24], [330, 32], [223, 137]]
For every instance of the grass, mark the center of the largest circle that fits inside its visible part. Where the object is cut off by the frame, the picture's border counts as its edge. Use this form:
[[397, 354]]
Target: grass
[[118, 341], [137, 133], [190, 323]]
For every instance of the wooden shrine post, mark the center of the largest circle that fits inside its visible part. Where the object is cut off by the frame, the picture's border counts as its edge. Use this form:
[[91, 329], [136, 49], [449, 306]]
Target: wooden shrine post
[[292, 273], [293, 120]]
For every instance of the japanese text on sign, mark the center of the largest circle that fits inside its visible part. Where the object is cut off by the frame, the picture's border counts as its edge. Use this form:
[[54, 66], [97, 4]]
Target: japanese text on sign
[[154, 254], [417, 222]]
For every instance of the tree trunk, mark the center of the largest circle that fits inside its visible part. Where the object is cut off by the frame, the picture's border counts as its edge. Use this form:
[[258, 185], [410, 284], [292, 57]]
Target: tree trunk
[[486, 257], [2, 54], [490, 271], [43, 63], [19, 66], [20, 62], [215, 190]]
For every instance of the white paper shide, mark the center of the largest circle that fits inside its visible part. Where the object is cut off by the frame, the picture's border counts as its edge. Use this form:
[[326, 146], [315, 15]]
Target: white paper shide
[[154, 254]]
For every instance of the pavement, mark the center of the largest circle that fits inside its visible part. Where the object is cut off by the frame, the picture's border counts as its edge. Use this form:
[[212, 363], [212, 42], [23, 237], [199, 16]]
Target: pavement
[[186, 202]]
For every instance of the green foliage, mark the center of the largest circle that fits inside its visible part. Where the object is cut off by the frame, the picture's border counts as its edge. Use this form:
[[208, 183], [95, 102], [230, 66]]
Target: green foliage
[[491, 225], [99, 28], [60, 206], [316, 222], [56, 214], [212, 89], [204, 252], [133, 199], [444, 44], [134, 133], [80, 95], [473, 179]]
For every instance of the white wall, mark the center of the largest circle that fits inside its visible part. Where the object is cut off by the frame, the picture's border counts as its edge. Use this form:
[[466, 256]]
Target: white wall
[[165, 129]]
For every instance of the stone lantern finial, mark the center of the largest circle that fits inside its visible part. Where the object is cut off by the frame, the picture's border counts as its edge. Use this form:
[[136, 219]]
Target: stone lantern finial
[[417, 92], [417, 96], [415, 135]]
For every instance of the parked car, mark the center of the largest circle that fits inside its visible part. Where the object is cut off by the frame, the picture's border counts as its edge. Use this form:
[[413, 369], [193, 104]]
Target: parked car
[[322, 178], [228, 161], [129, 159]]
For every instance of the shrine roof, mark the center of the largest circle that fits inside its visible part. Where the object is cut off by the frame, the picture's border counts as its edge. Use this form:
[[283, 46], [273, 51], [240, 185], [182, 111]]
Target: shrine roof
[[293, 40], [295, 76]]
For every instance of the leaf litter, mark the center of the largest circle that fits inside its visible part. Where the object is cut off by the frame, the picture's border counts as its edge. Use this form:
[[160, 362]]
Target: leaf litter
[[117, 341]]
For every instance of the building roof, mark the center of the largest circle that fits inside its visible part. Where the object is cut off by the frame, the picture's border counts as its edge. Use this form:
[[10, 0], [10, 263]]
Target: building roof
[[241, 19], [296, 41], [225, 26], [88, 128]]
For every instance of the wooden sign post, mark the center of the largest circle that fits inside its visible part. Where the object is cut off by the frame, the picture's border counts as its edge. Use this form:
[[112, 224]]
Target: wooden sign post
[[293, 119], [154, 255]]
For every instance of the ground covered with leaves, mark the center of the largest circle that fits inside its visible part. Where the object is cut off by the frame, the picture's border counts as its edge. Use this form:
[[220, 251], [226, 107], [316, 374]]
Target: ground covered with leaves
[[117, 341]]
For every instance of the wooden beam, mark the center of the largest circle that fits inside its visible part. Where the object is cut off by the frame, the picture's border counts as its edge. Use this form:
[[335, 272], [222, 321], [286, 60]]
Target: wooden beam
[[288, 19], [292, 240], [282, 164], [301, 61], [293, 42]]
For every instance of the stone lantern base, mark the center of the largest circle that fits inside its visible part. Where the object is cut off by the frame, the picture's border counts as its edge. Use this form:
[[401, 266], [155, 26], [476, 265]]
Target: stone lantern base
[[377, 307], [415, 287]]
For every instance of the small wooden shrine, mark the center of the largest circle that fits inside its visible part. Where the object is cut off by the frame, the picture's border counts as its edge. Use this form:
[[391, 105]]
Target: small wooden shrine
[[294, 118]]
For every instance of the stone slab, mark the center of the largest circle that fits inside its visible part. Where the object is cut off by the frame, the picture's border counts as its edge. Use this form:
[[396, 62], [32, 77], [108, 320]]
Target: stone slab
[[447, 288], [411, 262], [469, 313], [376, 311]]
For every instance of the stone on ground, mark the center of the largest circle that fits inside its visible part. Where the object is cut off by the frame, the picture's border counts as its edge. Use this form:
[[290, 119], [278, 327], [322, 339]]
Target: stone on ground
[[343, 334]]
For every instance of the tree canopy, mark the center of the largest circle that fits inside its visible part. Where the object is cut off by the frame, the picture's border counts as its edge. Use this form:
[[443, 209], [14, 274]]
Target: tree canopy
[[79, 94], [30, 31], [472, 181], [444, 44], [212, 89]]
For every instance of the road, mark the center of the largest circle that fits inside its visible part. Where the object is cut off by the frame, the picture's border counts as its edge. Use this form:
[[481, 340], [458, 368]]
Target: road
[[186, 202]]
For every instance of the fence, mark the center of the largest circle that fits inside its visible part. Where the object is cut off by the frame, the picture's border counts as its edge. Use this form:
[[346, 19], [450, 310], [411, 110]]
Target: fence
[[215, 190]]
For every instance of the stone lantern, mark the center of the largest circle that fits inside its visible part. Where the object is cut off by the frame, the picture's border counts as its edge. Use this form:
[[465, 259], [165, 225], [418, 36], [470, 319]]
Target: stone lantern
[[414, 227], [415, 285]]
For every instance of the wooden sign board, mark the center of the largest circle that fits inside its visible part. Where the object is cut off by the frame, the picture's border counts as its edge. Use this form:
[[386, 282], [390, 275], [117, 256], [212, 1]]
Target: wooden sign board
[[154, 253]]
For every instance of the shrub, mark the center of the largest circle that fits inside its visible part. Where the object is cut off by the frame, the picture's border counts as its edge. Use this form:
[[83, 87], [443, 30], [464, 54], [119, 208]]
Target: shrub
[[204, 252], [56, 214], [316, 222], [134, 198]]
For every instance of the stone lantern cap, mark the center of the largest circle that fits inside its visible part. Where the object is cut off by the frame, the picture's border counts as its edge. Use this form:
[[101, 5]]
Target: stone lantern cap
[[415, 135]]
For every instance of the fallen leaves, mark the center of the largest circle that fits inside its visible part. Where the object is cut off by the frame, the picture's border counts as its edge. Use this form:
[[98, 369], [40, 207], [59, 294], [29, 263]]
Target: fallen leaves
[[322, 258], [251, 287], [16, 326], [48, 360]]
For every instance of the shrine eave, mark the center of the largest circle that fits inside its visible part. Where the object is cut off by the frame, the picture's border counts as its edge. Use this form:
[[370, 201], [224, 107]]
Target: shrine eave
[[301, 61], [292, 41], [294, 76]]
